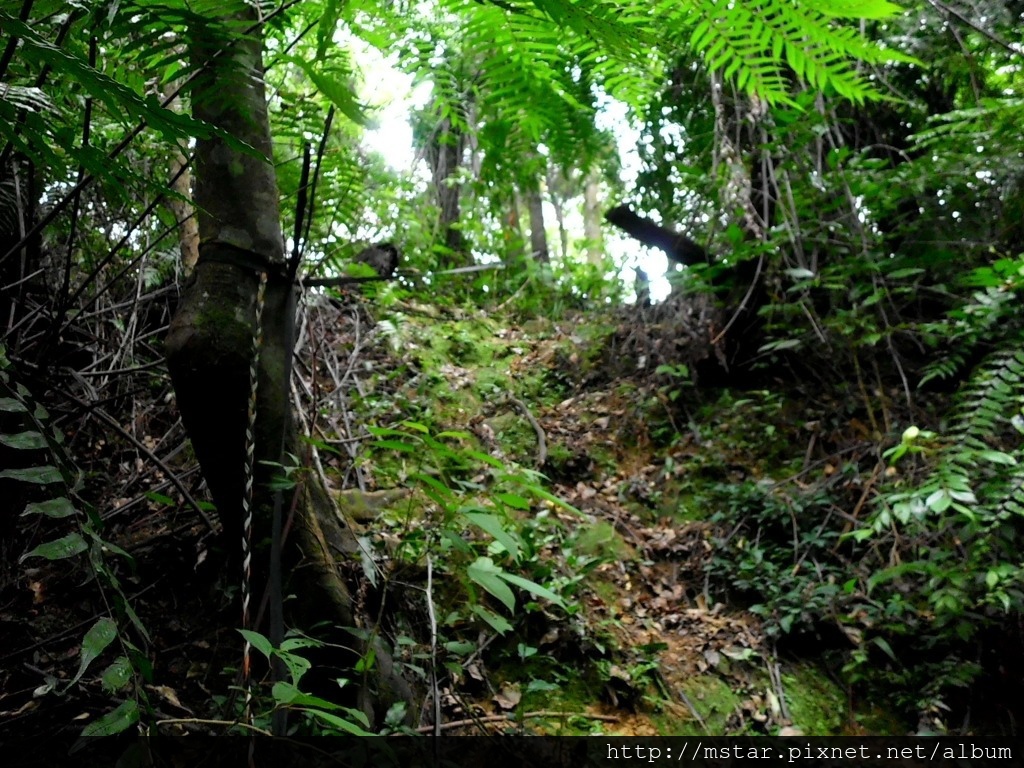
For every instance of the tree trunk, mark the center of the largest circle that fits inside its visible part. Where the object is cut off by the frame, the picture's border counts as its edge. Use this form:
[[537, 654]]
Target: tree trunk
[[512, 231], [592, 219], [559, 189], [210, 342], [180, 206], [538, 233], [444, 154]]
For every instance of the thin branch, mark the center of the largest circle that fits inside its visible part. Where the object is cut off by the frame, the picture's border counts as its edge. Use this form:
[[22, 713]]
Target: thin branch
[[514, 718], [542, 446], [939, 6], [142, 448]]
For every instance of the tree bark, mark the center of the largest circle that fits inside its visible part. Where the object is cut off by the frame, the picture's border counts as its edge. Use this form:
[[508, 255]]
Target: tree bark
[[210, 342], [538, 232], [444, 150], [181, 206], [592, 219]]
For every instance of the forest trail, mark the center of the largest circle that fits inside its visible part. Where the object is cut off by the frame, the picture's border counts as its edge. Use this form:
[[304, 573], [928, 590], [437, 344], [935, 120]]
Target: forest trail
[[566, 468], [653, 650]]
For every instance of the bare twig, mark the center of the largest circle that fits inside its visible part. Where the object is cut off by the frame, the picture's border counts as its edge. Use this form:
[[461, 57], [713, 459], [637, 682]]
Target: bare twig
[[435, 690], [514, 718], [542, 445], [142, 448]]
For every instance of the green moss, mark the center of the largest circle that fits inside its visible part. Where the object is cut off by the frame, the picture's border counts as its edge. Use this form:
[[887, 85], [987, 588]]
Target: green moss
[[514, 433], [491, 382], [816, 704], [713, 700], [602, 539], [607, 591]]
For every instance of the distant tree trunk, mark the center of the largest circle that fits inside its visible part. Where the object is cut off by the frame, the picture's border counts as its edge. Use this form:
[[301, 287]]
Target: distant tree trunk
[[592, 219], [538, 233], [444, 152], [512, 231], [181, 207], [210, 340], [558, 191]]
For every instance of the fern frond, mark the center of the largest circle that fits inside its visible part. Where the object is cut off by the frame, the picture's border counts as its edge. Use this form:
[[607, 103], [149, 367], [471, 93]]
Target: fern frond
[[987, 316], [751, 43], [980, 470]]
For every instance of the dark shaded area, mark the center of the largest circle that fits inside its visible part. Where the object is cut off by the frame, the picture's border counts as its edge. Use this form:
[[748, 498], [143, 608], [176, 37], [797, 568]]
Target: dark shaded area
[[383, 257], [677, 246], [720, 333], [521, 749]]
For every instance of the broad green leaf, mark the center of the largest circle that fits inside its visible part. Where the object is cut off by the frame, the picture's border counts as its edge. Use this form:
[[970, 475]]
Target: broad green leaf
[[386, 431], [55, 508], [340, 723], [498, 623], [997, 457], [967, 497], [68, 546], [290, 644], [12, 405], [23, 441], [488, 575], [453, 434], [433, 483], [258, 641], [486, 458], [297, 665], [367, 661], [539, 492], [513, 500], [117, 675], [288, 693], [459, 647], [939, 501], [96, 640], [855, 9], [495, 526], [532, 587], [886, 648], [119, 720], [39, 475], [133, 617]]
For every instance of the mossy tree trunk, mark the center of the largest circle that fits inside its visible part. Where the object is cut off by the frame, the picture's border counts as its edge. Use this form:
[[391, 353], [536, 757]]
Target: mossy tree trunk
[[209, 345]]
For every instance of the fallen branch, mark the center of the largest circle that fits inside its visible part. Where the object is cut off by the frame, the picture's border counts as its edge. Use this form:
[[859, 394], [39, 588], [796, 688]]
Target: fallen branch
[[512, 718], [542, 445]]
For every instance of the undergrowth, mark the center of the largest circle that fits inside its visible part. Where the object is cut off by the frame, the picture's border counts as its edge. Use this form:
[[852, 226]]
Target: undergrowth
[[902, 555]]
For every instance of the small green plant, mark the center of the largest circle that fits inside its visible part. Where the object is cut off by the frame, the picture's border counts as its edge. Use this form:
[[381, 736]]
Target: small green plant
[[770, 536], [493, 503], [679, 374], [952, 509], [503, 562], [49, 470], [325, 718]]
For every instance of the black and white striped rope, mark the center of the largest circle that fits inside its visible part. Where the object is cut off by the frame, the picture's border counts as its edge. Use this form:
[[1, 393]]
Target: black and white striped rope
[[250, 456]]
